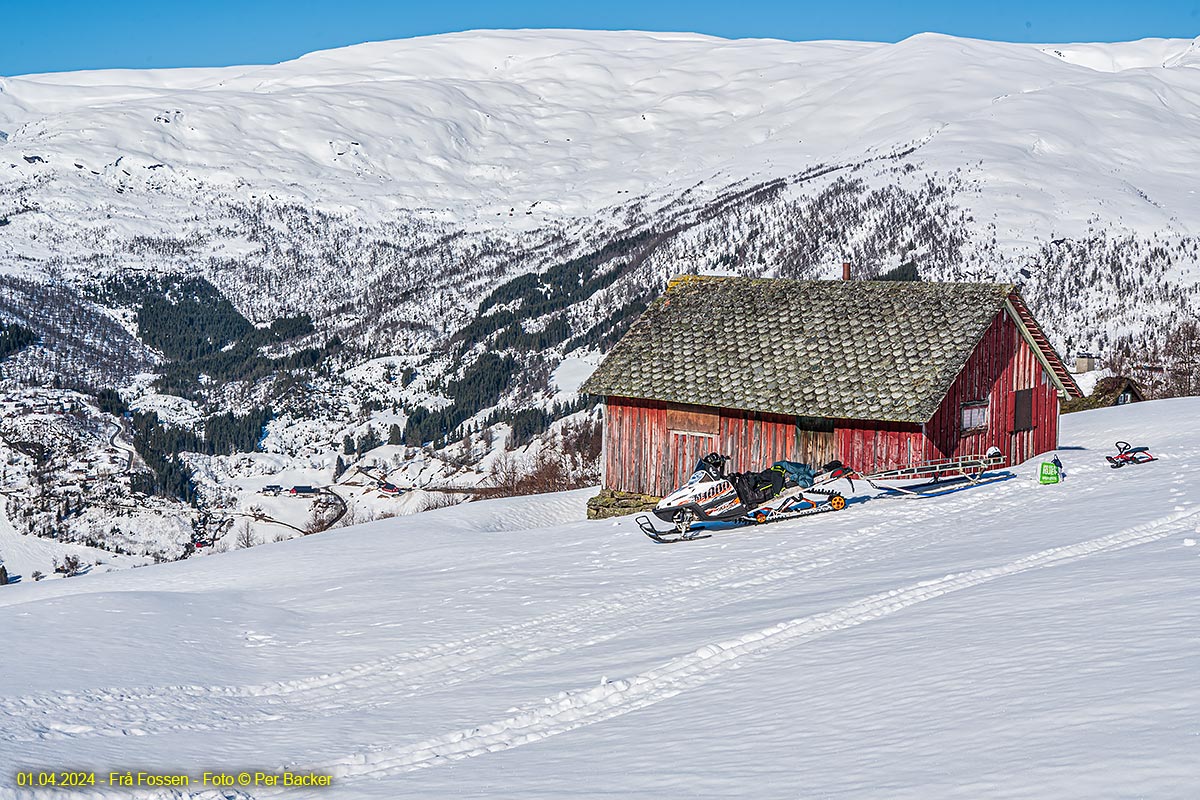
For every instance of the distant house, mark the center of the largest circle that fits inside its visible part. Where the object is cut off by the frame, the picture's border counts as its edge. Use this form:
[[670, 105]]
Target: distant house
[[877, 374], [1117, 390], [303, 491]]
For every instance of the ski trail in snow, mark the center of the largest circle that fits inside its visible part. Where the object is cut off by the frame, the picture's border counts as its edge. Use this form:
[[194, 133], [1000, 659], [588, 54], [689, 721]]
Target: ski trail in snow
[[571, 710], [145, 711]]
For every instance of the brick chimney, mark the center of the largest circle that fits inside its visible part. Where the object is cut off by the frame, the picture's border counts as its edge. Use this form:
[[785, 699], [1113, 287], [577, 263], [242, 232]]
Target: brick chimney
[[845, 270]]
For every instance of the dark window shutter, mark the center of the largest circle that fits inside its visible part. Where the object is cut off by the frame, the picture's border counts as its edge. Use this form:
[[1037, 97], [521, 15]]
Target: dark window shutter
[[1023, 411]]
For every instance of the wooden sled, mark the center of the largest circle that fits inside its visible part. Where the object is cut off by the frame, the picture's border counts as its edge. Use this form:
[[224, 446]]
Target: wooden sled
[[943, 474]]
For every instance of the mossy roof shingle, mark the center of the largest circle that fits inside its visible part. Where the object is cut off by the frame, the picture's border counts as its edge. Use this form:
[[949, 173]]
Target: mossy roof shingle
[[879, 350]]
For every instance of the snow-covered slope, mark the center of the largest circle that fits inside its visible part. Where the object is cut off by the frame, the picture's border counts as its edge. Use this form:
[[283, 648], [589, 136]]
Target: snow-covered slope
[[1008, 640]]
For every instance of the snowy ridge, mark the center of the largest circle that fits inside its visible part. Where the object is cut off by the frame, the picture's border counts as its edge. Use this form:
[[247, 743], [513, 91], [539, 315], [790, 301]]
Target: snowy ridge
[[386, 188], [1119, 56]]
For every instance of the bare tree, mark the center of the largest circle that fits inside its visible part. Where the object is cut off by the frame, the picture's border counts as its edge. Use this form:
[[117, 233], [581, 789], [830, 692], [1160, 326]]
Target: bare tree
[[326, 510], [505, 475], [1181, 361], [581, 446], [435, 500], [245, 535], [550, 473]]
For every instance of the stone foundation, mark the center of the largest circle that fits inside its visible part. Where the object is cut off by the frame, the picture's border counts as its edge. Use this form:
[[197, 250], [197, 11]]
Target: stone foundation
[[611, 503]]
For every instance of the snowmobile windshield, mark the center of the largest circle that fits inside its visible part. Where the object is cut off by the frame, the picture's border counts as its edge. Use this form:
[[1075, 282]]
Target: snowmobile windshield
[[704, 471]]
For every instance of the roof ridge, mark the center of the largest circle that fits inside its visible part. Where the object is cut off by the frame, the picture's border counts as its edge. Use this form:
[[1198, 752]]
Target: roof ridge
[[690, 278]]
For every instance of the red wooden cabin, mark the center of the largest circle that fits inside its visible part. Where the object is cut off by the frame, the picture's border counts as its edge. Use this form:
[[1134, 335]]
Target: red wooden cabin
[[877, 374]]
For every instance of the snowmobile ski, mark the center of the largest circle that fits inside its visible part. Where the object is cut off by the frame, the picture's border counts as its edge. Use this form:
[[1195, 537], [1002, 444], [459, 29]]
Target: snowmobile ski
[[762, 516], [668, 537]]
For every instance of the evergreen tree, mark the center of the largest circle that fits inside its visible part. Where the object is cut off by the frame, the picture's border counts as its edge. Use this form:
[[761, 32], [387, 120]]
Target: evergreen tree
[[14, 337], [905, 272], [110, 402], [368, 441]]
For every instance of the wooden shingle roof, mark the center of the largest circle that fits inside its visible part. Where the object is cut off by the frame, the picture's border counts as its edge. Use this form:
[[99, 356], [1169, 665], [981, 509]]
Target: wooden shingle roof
[[1105, 393], [877, 350]]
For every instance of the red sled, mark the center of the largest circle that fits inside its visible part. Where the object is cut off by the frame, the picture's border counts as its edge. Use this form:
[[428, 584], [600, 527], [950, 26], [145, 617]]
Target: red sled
[[1126, 454]]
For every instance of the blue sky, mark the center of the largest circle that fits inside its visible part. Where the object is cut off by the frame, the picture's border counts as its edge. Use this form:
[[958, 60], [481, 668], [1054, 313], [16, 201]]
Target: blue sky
[[49, 36]]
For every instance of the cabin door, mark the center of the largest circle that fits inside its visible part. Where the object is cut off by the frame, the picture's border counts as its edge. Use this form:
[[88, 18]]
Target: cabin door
[[686, 450], [815, 441], [691, 435], [1021, 445]]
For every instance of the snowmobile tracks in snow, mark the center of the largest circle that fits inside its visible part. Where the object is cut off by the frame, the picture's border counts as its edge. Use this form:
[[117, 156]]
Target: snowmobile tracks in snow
[[164, 709], [575, 709], [139, 711]]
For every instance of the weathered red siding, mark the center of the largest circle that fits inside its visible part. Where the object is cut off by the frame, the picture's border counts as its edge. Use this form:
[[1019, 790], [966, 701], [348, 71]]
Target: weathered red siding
[[645, 453], [652, 447], [1002, 364], [870, 446]]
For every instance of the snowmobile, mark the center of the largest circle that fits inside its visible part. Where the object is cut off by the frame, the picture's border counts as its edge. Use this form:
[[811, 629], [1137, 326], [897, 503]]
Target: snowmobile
[[748, 498], [1126, 454]]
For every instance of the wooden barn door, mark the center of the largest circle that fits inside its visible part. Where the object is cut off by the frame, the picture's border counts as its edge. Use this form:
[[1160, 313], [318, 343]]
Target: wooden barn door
[[815, 441], [691, 435], [686, 450]]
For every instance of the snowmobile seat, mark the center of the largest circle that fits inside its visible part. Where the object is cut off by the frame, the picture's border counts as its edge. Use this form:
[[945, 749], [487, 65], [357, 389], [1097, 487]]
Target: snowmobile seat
[[756, 488]]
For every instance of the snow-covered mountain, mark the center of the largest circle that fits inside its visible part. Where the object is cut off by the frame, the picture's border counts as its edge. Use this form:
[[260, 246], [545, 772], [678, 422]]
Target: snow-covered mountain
[[1006, 640], [444, 233], [515, 140], [562, 123]]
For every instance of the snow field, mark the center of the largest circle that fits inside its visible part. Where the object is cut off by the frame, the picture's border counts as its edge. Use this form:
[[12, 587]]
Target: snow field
[[1007, 640]]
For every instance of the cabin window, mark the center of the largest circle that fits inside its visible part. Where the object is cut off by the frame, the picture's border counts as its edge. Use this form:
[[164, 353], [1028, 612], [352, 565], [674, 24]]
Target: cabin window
[[694, 420], [1023, 410], [974, 416], [1123, 398]]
